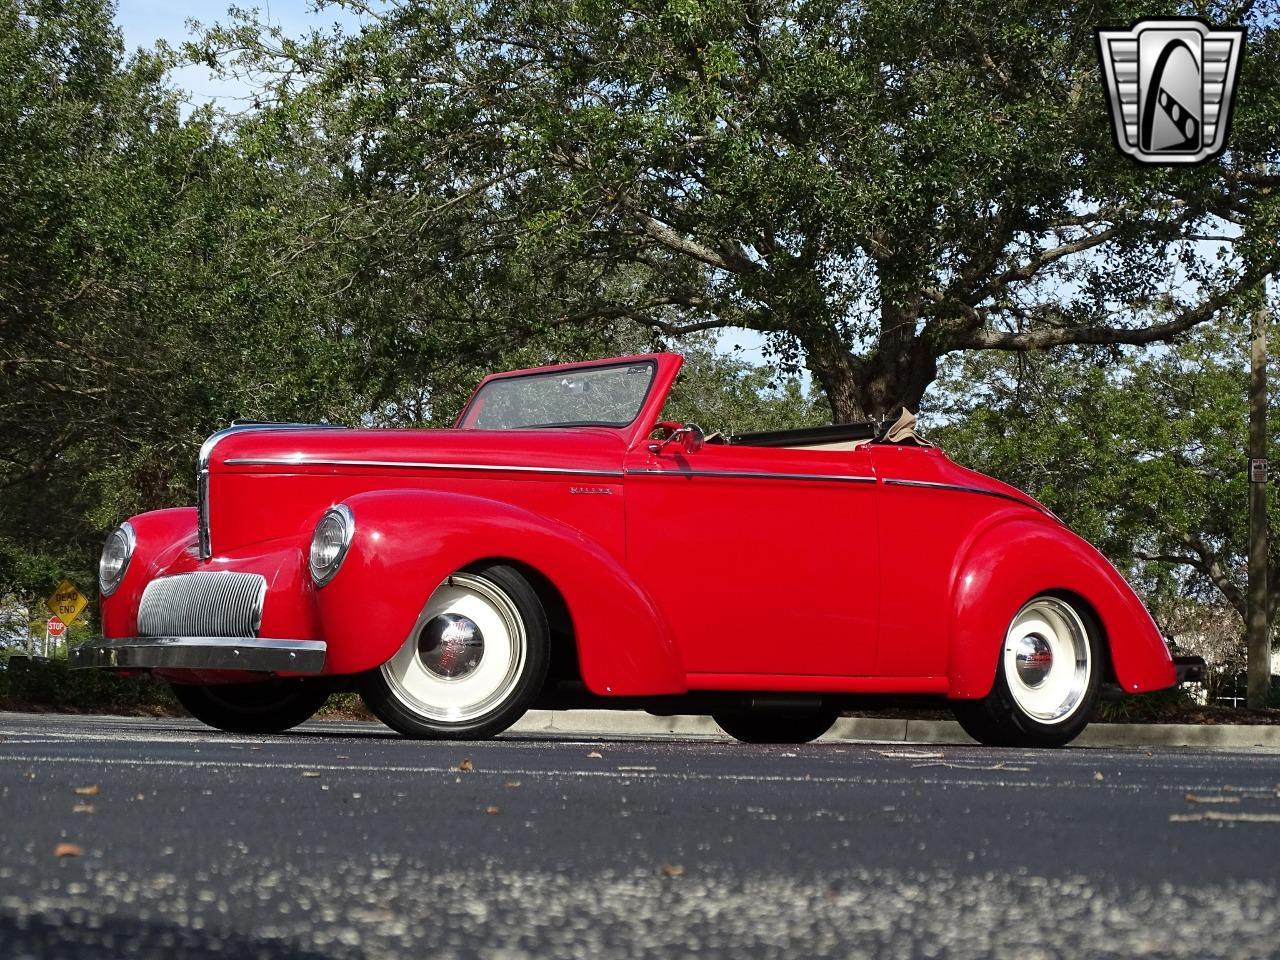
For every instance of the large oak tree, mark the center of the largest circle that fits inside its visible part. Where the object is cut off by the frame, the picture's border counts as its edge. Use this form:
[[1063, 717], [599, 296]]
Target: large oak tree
[[871, 185]]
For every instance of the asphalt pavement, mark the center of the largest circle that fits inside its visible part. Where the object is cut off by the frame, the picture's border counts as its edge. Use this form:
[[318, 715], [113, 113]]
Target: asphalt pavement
[[159, 838]]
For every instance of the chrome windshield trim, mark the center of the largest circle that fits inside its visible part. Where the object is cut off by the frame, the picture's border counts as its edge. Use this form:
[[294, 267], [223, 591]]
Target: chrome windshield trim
[[413, 465], [753, 475], [960, 488], [202, 653], [202, 470]]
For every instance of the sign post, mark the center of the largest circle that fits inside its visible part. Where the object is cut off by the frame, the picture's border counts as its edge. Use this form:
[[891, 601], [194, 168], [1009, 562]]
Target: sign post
[[55, 632], [1257, 625]]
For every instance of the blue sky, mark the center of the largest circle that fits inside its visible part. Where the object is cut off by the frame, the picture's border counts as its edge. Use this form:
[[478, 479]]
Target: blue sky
[[143, 22]]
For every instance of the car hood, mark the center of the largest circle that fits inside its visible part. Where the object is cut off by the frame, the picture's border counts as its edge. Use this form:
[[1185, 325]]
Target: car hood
[[300, 449]]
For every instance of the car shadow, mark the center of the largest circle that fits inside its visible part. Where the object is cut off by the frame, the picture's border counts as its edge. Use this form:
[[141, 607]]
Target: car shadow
[[113, 937]]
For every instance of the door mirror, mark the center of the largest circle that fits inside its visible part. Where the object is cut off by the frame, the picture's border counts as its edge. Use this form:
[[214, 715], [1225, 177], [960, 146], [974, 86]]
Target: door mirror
[[688, 437], [693, 438]]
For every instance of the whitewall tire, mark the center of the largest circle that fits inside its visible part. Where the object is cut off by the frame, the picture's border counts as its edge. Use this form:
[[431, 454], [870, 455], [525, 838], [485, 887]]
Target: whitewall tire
[[473, 662], [1047, 678]]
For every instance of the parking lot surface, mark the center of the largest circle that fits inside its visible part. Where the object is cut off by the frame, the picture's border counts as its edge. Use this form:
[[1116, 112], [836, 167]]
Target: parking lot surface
[[161, 838]]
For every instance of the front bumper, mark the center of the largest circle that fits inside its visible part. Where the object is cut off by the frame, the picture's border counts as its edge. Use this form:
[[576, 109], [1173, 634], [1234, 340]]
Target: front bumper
[[202, 653]]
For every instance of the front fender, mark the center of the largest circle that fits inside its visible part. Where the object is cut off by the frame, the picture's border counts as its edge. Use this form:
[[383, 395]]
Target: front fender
[[161, 535], [407, 541], [1014, 560]]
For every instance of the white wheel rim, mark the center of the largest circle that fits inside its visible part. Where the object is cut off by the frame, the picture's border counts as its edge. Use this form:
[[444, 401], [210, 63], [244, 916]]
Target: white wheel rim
[[487, 684], [1049, 692]]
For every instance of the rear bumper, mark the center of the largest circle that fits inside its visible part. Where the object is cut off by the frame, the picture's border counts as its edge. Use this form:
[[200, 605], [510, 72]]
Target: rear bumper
[[1190, 669], [202, 653]]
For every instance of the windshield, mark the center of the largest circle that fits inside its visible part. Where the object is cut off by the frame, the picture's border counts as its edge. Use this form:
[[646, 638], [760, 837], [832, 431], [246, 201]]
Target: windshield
[[609, 396]]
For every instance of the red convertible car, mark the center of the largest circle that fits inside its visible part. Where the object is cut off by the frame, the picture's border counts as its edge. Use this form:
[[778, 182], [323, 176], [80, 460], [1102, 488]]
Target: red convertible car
[[564, 546]]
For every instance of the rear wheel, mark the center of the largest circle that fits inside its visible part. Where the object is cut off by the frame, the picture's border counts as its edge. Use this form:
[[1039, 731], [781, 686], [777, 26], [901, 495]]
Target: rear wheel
[[472, 664], [270, 706], [776, 726], [1046, 681]]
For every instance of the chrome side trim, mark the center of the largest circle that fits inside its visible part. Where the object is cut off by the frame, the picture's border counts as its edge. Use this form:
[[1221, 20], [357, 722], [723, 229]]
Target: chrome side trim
[[202, 469], [960, 488], [753, 475], [414, 465], [202, 653]]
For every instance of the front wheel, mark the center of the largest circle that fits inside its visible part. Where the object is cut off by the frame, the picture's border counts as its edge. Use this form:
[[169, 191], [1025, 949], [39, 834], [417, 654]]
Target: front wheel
[[775, 726], [1046, 681], [269, 706], [472, 663]]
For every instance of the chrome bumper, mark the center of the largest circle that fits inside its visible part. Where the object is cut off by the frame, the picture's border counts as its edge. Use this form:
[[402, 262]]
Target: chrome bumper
[[202, 653]]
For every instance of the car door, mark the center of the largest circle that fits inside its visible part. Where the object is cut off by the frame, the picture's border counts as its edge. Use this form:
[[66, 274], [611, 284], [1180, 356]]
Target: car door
[[762, 560]]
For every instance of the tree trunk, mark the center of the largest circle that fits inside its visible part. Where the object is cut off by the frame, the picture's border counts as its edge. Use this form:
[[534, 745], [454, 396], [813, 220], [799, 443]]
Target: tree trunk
[[889, 387], [875, 387], [833, 367]]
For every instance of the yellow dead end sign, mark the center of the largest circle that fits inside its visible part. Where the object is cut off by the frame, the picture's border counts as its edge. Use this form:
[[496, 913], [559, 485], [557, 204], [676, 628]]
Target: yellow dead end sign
[[67, 602]]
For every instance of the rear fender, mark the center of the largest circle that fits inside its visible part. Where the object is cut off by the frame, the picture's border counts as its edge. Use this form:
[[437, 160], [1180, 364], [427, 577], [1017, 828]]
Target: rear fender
[[1014, 560], [407, 542]]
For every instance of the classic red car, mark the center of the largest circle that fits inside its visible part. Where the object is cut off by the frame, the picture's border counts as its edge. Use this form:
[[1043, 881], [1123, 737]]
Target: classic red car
[[564, 546]]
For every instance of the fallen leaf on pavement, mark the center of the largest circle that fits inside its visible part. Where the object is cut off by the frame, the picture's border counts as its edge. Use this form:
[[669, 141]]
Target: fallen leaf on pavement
[[68, 850], [491, 810], [82, 808], [672, 870], [1197, 798], [466, 764], [87, 791]]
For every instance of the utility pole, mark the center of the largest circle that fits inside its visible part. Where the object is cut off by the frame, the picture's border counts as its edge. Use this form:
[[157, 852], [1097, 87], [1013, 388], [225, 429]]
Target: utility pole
[[1258, 627]]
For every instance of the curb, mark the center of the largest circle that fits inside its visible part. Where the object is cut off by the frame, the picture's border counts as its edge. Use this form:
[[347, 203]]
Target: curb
[[608, 723]]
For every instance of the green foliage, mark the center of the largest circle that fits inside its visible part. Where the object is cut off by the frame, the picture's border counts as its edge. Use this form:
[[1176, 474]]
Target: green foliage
[[871, 185], [137, 311], [722, 393]]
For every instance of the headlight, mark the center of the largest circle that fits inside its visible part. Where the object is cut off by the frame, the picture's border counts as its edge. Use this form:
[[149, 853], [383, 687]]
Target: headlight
[[329, 543], [115, 558]]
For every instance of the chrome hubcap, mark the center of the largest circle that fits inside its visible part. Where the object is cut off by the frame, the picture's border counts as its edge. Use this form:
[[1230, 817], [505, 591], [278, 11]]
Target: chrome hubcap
[[451, 646], [1034, 659], [1048, 664]]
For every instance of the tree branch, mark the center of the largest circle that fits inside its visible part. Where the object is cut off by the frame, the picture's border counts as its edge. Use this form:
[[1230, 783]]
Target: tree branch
[[1061, 336]]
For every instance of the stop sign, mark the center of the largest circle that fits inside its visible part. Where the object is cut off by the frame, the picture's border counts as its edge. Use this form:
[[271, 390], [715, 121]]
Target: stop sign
[[57, 629]]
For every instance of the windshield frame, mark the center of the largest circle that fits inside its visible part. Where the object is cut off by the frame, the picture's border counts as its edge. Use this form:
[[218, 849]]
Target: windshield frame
[[470, 412]]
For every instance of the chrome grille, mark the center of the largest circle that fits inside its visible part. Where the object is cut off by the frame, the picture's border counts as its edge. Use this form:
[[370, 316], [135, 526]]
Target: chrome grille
[[203, 605]]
